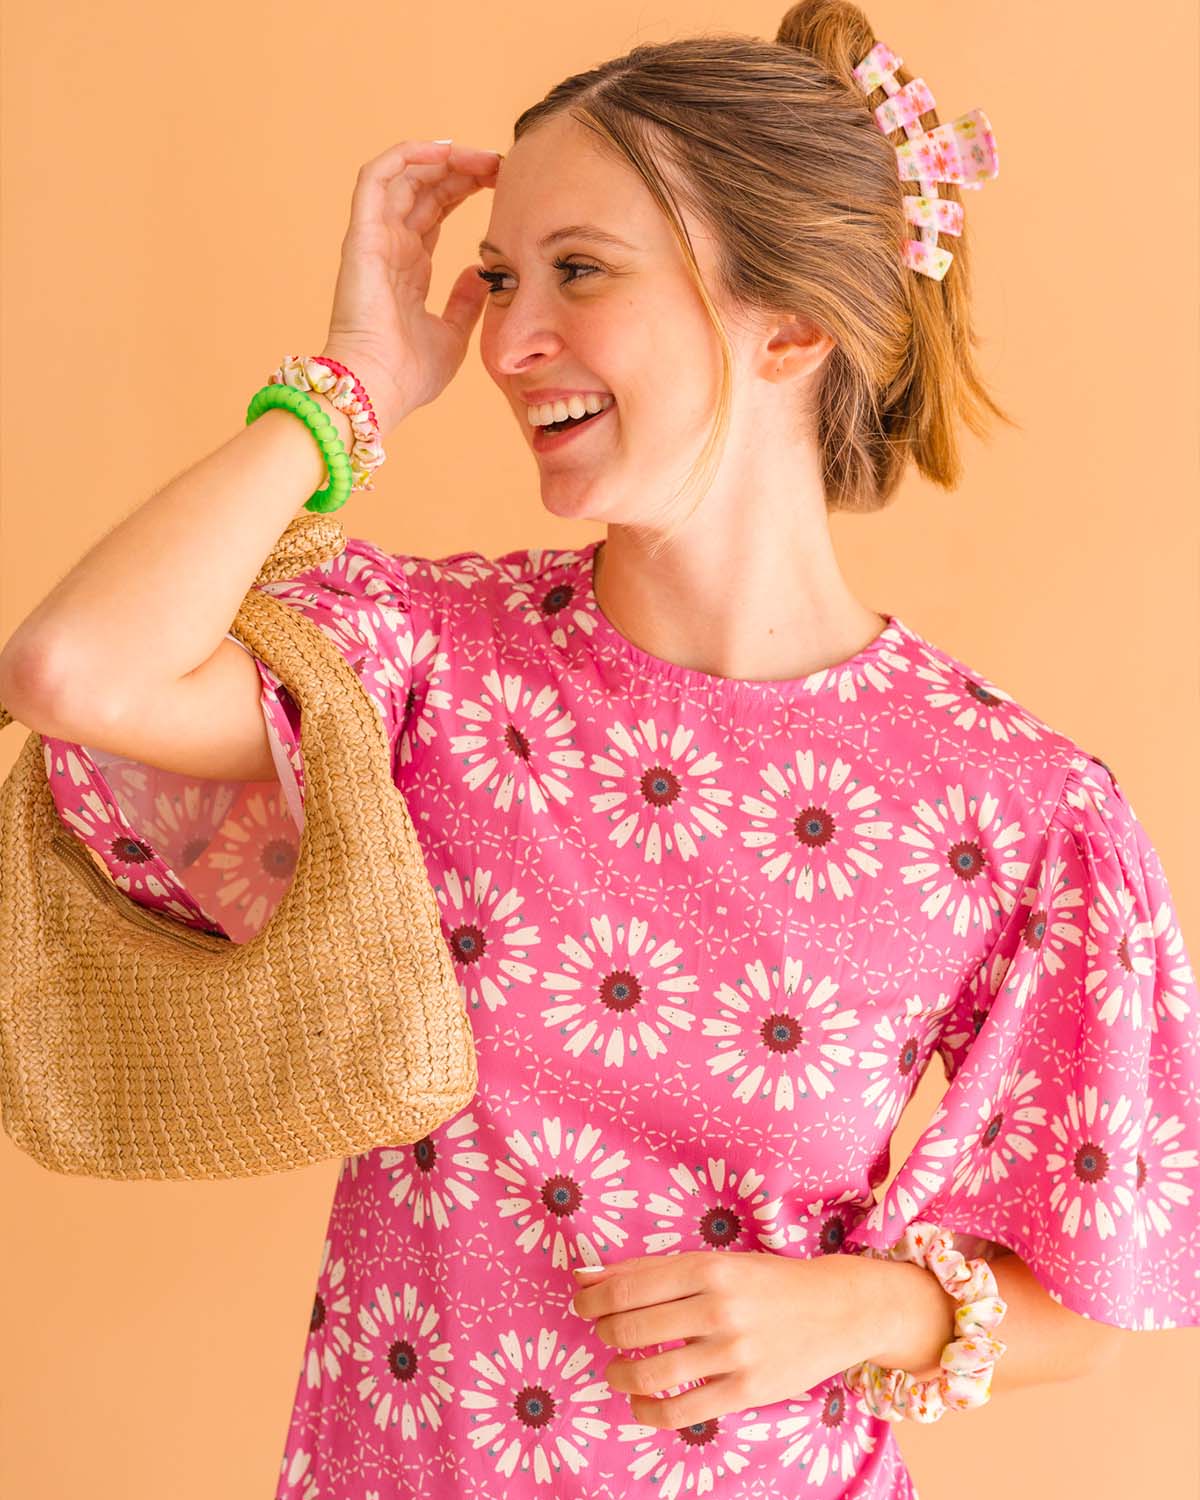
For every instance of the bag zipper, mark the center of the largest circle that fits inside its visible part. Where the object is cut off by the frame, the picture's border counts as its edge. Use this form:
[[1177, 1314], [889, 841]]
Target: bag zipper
[[76, 857]]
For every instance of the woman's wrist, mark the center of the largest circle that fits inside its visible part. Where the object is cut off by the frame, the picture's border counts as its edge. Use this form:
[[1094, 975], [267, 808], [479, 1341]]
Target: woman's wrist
[[344, 428], [913, 1318], [918, 1372]]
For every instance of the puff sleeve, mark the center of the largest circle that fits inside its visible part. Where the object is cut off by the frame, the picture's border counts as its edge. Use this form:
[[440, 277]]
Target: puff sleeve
[[218, 855], [1070, 1128]]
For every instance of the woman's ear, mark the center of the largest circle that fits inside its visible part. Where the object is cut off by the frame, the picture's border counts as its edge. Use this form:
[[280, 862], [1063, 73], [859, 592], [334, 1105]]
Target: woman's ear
[[794, 347]]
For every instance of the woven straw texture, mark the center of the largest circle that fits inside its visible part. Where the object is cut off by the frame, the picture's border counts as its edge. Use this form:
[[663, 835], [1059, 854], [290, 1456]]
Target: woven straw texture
[[132, 1047]]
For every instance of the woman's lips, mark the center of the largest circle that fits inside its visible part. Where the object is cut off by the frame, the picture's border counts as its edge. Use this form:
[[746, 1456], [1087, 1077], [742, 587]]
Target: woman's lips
[[544, 441]]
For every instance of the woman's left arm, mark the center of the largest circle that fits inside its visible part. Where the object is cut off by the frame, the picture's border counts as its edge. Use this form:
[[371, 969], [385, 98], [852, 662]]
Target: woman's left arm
[[1045, 1340]]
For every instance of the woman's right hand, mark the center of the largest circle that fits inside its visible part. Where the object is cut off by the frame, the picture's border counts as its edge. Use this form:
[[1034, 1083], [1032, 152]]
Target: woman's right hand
[[380, 329]]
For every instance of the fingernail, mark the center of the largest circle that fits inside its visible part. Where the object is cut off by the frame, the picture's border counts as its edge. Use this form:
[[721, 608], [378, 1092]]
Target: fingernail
[[446, 142], [583, 1270]]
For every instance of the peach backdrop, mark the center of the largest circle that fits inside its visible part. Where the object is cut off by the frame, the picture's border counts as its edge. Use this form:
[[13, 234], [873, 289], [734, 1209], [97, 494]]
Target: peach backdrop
[[176, 183]]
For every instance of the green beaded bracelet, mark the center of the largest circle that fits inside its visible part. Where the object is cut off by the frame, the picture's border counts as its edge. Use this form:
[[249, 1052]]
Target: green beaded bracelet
[[323, 428]]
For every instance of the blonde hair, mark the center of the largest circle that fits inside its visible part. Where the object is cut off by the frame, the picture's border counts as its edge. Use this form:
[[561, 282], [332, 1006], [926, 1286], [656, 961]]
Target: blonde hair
[[774, 149]]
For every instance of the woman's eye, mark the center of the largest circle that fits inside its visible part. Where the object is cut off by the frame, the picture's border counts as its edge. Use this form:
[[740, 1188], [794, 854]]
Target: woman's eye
[[494, 278]]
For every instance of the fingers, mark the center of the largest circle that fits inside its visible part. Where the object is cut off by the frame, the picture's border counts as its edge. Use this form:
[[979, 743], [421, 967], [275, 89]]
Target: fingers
[[370, 186], [432, 198], [464, 171], [393, 180], [471, 154], [431, 201]]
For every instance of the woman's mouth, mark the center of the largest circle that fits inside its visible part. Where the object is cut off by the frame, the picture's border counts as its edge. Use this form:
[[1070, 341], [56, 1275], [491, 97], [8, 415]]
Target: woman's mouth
[[557, 434]]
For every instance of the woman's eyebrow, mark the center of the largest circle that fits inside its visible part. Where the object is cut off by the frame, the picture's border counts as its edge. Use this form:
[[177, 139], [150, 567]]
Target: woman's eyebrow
[[570, 232]]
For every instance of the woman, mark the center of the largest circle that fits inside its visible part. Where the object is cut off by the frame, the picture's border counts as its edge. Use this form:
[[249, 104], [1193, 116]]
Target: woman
[[724, 855]]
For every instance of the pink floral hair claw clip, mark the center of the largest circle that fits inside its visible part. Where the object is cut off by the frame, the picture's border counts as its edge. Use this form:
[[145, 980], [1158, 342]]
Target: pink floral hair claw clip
[[963, 151]]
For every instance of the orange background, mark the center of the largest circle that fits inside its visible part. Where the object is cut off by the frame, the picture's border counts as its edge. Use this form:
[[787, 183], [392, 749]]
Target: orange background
[[176, 183]]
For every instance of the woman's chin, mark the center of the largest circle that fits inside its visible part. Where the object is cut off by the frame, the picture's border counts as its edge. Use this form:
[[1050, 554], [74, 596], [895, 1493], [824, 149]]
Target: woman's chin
[[576, 501]]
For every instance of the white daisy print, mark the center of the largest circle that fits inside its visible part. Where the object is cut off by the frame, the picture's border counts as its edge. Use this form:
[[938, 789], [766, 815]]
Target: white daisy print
[[557, 601], [488, 935], [178, 825], [619, 992], [1052, 932], [538, 1405], [297, 1481], [815, 825], [970, 702], [403, 1359], [365, 626], [1175, 979], [100, 824], [826, 1435], [709, 933], [435, 1177], [780, 1037], [703, 1458], [894, 1060], [430, 665], [1091, 1162], [519, 744], [564, 1192], [821, 1227], [871, 671], [1004, 1135], [660, 790], [1167, 1176], [712, 1207], [329, 1330], [1120, 954], [254, 858], [919, 1179], [1085, 792], [964, 863]]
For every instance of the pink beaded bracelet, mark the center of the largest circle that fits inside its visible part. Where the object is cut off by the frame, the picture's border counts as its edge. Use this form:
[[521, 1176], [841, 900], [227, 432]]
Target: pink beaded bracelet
[[965, 1378]]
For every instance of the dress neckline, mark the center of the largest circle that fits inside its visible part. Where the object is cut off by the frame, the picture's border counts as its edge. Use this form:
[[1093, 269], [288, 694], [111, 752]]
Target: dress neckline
[[875, 656]]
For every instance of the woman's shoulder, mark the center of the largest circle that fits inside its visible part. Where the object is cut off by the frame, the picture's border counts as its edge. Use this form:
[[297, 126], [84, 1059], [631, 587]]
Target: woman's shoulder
[[1005, 750], [471, 571], [503, 594]]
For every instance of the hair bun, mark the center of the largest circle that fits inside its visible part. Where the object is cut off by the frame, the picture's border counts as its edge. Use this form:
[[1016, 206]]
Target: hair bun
[[835, 32]]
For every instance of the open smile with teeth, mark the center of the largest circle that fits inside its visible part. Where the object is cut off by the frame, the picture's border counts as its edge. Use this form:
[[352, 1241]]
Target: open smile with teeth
[[553, 416]]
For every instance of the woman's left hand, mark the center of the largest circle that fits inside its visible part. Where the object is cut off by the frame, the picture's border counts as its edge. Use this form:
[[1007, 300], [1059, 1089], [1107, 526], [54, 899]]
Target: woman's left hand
[[759, 1327]]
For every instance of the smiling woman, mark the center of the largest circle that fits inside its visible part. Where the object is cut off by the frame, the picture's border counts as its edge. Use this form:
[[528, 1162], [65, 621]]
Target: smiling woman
[[725, 858], [717, 212], [751, 920]]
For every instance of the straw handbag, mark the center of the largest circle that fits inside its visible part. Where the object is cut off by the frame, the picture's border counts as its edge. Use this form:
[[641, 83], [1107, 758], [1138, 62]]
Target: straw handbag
[[132, 1046]]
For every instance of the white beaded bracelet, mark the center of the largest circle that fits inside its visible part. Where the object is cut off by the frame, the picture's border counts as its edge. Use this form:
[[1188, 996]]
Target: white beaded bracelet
[[967, 1362]]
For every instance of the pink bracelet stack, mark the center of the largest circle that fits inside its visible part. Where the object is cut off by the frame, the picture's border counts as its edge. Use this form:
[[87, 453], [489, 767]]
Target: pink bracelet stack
[[329, 378], [965, 1379]]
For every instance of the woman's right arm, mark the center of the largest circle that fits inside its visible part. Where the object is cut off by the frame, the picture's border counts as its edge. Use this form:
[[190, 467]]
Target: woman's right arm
[[83, 666]]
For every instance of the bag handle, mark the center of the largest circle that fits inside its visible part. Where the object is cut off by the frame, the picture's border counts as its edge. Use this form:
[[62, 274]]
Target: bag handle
[[311, 537]]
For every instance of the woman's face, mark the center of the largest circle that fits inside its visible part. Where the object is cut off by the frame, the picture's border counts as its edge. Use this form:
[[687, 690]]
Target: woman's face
[[620, 318]]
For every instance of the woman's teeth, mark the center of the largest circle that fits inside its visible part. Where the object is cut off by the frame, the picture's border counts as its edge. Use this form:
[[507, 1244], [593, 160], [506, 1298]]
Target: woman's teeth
[[549, 412]]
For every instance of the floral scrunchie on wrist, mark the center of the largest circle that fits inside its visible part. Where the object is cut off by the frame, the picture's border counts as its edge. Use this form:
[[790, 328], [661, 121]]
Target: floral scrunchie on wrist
[[328, 377], [965, 1378]]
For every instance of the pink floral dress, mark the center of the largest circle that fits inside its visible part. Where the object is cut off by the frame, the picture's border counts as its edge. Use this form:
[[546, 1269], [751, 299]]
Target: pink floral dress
[[710, 933]]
